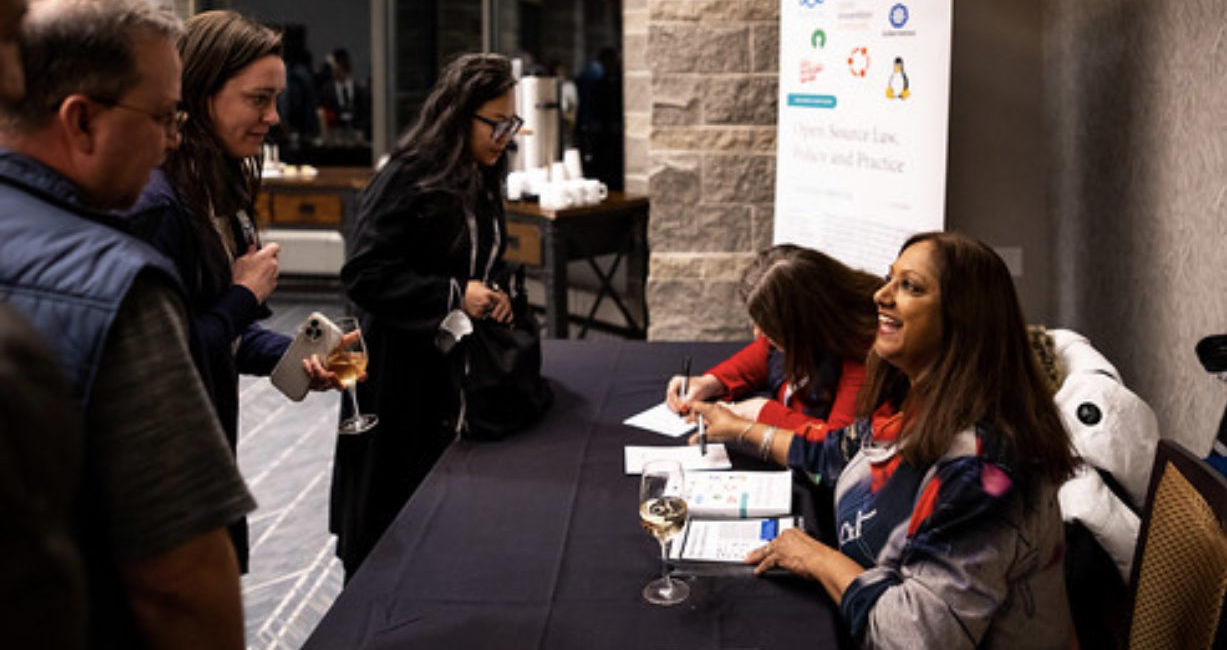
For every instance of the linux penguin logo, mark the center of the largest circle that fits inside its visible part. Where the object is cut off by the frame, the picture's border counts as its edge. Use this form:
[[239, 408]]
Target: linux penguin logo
[[897, 85]]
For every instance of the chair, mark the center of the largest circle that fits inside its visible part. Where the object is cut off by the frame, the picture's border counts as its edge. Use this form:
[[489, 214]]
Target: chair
[[1180, 567]]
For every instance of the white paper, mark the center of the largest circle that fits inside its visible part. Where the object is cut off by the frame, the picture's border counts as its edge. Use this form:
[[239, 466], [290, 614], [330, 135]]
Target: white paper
[[660, 419], [688, 455], [739, 494], [726, 540]]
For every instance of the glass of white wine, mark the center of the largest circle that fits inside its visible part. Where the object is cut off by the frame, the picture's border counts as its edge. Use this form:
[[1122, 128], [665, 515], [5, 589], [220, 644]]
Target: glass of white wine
[[348, 361], [662, 510]]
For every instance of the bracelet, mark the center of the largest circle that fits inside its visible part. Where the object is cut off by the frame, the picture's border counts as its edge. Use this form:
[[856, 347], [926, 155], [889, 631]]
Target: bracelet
[[764, 448], [741, 437]]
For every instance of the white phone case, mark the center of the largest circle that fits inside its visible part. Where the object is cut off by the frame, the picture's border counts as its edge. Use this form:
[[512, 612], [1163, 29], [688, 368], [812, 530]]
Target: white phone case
[[316, 335]]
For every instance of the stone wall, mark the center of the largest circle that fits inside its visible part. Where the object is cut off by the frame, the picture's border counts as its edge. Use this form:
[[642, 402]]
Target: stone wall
[[701, 95]]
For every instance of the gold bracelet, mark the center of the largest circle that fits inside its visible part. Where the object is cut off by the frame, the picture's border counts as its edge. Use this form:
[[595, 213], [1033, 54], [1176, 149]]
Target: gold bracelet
[[764, 448], [741, 437]]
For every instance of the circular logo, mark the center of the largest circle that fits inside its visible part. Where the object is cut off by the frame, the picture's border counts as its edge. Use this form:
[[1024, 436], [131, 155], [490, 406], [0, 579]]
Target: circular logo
[[898, 16], [810, 4], [858, 61]]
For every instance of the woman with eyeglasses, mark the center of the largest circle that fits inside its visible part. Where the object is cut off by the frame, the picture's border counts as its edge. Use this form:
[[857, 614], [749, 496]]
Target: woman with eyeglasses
[[428, 238], [198, 207]]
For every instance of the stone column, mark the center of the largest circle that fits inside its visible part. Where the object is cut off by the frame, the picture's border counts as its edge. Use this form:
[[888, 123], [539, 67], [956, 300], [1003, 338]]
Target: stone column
[[701, 95]]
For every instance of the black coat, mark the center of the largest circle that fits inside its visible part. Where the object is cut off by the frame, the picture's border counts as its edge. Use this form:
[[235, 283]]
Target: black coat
[[409, 256]]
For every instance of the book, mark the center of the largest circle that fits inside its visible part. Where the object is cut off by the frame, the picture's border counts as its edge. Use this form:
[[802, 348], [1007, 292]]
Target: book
[[726, 540], [740, 495]]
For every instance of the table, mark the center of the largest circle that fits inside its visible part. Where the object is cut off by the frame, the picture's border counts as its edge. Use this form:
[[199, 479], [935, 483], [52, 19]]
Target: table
[[534, 541], [328, 199], [548, 239]]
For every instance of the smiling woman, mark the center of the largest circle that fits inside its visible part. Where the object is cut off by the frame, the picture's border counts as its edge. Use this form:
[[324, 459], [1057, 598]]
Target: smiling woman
[[949, 532], [198, 206]]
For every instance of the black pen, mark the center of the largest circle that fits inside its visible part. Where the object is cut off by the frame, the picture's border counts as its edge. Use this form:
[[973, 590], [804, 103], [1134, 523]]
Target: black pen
[[702, 437], [685, 376]]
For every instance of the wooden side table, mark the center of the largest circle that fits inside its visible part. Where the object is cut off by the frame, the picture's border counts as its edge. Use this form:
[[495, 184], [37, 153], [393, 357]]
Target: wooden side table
[[328, 199], [548, 239]]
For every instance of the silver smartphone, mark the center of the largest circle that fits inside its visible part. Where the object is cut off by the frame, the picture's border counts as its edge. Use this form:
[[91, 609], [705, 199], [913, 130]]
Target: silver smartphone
[[316, 335]]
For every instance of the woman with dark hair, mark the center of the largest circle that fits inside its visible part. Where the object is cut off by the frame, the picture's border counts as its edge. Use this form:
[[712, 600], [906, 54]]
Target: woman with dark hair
[[200, 201], [814, 320], [425, 246], [949, 531]]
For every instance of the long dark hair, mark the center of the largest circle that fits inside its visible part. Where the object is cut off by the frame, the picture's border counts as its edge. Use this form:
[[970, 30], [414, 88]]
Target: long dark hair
[[985, 372], [440, 136], [811, 305], [215, 47]]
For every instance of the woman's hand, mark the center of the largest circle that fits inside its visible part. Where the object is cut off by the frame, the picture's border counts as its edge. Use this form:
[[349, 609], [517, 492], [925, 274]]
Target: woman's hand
[[321, 377], [699, 388], [723, 425], [793, 551], [257, 270], [481, 301], [748, 408]]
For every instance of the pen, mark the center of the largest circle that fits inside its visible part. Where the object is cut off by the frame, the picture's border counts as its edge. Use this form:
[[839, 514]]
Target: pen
[[685, 376], [702, 437]]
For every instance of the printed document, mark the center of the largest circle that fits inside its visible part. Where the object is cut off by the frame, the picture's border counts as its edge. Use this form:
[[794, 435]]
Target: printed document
[[688, 455], [726, 540], [739, 494]]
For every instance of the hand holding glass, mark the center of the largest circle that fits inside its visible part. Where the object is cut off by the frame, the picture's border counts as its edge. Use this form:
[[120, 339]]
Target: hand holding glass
[[348, 361], [662, 510]]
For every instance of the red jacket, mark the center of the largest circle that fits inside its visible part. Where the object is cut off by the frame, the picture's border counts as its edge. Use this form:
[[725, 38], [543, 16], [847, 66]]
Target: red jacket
[[750, 371]]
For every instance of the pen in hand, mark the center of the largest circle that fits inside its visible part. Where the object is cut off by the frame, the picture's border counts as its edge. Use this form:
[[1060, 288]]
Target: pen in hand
[[685, 377], [702, 437]]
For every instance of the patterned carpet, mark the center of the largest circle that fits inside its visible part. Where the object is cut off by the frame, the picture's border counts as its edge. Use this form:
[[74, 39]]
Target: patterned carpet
[[285, 453]]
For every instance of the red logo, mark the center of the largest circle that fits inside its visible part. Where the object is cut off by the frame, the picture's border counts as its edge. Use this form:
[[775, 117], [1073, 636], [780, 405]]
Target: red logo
[[810, 70], [858, 61]]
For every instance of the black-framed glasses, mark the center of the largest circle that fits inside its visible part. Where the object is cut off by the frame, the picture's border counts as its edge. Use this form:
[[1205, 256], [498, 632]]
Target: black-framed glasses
[[502, 128], [171, 122]]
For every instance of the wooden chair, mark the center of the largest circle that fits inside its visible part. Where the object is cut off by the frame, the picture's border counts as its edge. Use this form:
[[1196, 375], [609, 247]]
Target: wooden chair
[[1180, 567]]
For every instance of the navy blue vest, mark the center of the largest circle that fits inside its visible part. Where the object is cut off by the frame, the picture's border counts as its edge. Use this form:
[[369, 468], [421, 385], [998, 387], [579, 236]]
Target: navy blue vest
[[64, 267]]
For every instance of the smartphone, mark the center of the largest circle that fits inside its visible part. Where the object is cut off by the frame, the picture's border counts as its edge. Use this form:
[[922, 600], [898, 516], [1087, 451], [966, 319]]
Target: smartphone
[[316, 335]]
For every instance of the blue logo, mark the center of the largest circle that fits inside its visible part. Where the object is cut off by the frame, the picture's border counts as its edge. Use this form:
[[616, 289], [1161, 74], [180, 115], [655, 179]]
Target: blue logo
[[810, 4], [898, 15]]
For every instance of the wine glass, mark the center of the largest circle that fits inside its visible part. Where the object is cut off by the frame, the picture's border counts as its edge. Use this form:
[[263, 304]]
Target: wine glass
[[348, 361], [662, 510]]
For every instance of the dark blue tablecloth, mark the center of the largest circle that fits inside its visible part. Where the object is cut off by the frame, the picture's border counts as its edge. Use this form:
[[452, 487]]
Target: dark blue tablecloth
[[535, 542]]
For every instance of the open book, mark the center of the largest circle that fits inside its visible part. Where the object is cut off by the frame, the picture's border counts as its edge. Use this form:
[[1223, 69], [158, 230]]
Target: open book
[[726, 540], [738, 494]]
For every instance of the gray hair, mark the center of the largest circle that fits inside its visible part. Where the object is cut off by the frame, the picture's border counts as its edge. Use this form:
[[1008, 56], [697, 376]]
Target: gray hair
[[80, 47]]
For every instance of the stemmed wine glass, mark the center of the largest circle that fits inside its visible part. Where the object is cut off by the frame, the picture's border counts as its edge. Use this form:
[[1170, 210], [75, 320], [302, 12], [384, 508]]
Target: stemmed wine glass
[[662, 510], [348, 361]]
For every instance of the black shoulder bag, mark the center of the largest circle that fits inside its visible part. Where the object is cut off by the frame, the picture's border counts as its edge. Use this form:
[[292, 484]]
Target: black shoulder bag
[[504, 391]]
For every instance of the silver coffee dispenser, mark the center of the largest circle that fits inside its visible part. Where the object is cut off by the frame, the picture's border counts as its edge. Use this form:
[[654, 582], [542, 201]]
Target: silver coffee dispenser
[[538, 144]]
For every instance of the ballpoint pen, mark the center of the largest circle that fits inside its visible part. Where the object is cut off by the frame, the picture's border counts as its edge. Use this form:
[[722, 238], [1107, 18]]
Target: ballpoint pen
[[685, 376], [702, 437]]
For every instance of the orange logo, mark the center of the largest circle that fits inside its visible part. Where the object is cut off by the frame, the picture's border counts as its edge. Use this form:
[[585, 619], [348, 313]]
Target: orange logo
[[858, 61]]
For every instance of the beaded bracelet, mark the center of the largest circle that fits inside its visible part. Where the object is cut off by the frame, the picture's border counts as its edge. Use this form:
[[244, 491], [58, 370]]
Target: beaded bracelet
[[741, 437], [764, 448]]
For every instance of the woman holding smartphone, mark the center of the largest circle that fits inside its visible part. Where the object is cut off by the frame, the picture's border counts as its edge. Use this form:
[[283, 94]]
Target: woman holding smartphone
[[949, 531], [199, 206], [427, 241]]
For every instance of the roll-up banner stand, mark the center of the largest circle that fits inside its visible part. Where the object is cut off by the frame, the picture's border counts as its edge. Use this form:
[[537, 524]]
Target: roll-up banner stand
[[864, 100]]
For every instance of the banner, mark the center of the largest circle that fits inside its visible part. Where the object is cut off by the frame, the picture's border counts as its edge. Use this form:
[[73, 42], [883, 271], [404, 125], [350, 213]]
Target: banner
[[864, 99]]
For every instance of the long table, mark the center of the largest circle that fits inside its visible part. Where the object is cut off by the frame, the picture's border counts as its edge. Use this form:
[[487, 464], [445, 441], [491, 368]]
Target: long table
[[535, 542]]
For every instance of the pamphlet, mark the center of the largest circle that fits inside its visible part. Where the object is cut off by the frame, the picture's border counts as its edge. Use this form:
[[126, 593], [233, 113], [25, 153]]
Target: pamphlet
[[690, 456], [660, 419], [726, 540], [739, 494]]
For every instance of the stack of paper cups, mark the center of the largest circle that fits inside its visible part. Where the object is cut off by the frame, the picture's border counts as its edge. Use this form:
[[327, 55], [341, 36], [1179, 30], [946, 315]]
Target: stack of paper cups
[[570, 159]]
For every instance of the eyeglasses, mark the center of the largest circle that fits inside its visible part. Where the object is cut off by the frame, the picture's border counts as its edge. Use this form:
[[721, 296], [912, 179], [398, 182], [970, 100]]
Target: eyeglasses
[[171, 122], [503, 128]]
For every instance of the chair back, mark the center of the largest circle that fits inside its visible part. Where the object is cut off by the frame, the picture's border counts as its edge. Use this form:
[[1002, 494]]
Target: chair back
[[1180, 567]]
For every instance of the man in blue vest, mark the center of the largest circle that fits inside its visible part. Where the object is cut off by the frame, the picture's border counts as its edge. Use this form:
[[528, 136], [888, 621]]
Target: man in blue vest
[[158, 484]]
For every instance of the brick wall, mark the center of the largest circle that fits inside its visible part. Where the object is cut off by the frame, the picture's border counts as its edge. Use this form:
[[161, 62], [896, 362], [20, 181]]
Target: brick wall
[[701, 95]]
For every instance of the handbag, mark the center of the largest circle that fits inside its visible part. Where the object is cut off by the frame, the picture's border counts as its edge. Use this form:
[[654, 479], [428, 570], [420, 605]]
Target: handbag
[[502, 385]]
